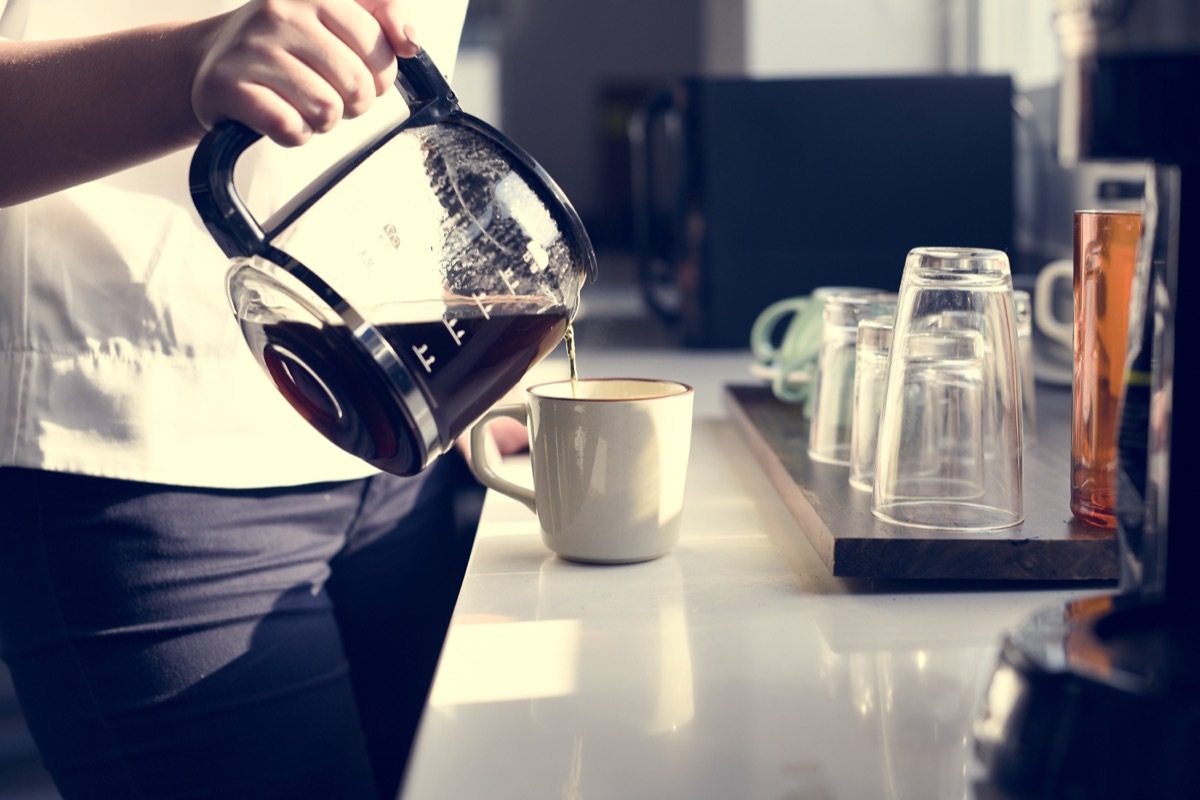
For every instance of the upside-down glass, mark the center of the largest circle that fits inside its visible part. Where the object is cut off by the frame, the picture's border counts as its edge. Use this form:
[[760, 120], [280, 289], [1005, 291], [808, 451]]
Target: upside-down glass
[[1023, 306], [949, 453], [407, 289], [833, 384], [870, 379]]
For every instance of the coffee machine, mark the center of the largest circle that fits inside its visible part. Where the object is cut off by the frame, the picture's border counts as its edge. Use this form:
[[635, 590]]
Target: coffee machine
[[1100, 698]]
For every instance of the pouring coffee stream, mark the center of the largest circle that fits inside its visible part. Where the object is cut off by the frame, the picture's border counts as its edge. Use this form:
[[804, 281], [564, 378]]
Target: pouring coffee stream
[[572, 366], [409, 287]]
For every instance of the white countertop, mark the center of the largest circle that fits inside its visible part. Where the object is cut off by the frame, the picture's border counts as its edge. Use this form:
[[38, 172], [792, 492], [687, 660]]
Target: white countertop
[[734, 667]]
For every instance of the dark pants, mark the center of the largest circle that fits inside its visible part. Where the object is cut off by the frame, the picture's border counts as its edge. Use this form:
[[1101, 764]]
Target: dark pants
[[184, 643]]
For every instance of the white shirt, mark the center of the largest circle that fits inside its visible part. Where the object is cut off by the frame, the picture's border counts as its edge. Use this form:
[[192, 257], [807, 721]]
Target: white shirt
[[119, 354]]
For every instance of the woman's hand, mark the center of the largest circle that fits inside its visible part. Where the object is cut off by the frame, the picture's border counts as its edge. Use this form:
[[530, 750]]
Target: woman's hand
[[292, 68], [287, 68]]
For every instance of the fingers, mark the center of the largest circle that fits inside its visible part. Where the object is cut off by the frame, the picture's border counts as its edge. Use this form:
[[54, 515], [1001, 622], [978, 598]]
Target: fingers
[[292, 68], [400, 34], [373, 56]]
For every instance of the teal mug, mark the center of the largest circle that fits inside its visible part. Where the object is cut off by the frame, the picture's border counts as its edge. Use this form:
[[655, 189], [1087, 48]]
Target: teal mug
[[790, 359]]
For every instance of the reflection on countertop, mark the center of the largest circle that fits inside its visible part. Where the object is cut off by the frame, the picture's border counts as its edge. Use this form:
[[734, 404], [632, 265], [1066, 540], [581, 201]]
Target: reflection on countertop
[[736, 666]]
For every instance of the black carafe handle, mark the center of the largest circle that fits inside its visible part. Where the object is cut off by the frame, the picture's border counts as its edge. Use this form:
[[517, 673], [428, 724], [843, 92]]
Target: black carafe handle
[[236, 231]]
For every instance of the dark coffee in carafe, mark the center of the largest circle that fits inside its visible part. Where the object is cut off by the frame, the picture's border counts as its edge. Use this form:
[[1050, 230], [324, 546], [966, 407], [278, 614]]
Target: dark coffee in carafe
[[321, 372]]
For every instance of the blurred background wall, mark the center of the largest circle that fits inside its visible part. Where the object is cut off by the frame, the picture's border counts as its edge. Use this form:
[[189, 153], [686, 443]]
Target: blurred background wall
[[558, 76], [561, 78]]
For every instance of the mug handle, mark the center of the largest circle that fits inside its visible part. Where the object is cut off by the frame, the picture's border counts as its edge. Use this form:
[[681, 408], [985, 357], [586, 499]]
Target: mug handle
[[479, 461], [1043, 302], [764, 325], [789, 391]]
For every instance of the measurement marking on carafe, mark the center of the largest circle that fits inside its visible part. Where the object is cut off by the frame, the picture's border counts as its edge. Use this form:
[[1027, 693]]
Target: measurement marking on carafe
[[536, 257], [426, 362], [455, 334], [507, 275], [388, 237], [485, 308]]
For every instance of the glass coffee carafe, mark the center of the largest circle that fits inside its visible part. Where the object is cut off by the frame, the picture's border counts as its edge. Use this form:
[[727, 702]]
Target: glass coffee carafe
[[406, 290]]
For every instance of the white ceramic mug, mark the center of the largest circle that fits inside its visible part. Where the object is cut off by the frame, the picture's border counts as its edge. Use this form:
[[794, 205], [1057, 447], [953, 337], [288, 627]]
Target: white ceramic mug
[[1046, 308], [609, 459]]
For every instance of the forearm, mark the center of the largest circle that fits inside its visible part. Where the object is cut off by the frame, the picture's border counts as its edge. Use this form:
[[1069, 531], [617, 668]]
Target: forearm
[[75, 110]]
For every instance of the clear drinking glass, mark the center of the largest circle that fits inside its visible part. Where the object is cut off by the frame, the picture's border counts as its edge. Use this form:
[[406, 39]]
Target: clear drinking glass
[[870, 380], [833, 385], [1023, 306], [949, 450]]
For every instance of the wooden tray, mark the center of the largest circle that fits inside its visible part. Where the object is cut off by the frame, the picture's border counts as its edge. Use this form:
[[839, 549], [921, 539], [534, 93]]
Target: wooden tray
[[1051, 545]]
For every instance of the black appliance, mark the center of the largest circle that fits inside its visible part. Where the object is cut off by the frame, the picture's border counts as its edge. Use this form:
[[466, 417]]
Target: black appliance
[[746, 191], [1101, 698]]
